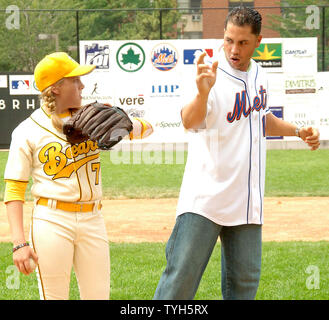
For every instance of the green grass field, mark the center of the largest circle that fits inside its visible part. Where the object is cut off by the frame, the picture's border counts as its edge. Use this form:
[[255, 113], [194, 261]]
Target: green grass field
[[288, 173], [290, 270]]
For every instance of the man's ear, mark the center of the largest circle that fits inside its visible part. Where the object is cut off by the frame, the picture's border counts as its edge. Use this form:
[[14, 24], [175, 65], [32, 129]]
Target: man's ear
[[259, 39]]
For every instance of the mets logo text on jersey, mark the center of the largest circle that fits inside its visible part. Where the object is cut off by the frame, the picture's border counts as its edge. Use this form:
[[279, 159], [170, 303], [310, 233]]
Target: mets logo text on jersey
[[240, 105], [55, 158]]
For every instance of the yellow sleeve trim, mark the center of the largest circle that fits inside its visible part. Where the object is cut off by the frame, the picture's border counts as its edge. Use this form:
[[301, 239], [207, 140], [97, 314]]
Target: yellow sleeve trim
[[15, 190], [9, 180], [65, 114], [144, 127]]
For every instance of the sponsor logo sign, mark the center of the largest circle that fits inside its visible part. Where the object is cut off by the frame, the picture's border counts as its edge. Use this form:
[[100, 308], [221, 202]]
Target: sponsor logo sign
[[324, 122], [132, 101], [98, 55], [164, 57], [22, 85], [165, 90], [298, 52], [278, 112], [303, 119], [269, 55], [130, 57], [297, 86], [135, 112], [164, 124], [98, 87], [191, 55]]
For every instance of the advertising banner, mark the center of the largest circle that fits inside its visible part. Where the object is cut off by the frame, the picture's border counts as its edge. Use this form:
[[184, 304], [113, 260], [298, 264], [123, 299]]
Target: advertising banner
[[303, 99], [154, 79], [18, 99], [148, 79], [288, 55]]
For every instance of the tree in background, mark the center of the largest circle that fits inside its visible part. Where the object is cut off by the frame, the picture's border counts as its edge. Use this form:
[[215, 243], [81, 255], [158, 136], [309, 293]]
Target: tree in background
[[130, 24], [36, 34], [23, 47], [42, 32], [305, 21]]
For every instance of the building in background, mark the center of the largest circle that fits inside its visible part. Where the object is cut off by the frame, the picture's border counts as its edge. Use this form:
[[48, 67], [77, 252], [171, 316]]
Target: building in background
[[191, 22], [208, 23], [213, 19]]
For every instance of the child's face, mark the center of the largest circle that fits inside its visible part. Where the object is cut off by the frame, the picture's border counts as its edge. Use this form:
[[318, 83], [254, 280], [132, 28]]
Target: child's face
[[68, 94]]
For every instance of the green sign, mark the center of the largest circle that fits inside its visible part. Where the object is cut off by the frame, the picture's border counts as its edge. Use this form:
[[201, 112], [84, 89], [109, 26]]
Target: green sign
[[130, 57], [269, 55]]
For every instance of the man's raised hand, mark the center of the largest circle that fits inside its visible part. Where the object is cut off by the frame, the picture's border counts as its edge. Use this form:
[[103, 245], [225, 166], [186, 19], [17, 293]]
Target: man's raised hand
[[206, 75]]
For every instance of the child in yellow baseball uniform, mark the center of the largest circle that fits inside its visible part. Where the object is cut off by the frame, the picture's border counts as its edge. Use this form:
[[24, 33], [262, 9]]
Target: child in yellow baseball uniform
[[67, 228]]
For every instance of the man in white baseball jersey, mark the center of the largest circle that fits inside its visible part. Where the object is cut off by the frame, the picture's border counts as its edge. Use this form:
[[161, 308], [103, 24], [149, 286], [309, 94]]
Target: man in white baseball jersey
[[67, 227], [223, 185]]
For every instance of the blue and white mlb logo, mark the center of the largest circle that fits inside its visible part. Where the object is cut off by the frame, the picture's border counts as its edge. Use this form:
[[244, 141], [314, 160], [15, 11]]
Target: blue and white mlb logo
[[191, 55], [98, 55], [20, 84]]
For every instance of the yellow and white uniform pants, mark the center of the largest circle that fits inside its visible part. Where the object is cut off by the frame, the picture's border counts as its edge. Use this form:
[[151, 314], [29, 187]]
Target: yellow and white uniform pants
[[63, 239]]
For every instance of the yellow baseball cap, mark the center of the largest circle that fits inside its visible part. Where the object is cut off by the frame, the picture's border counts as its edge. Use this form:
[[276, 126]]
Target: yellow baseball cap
[[56, 66]]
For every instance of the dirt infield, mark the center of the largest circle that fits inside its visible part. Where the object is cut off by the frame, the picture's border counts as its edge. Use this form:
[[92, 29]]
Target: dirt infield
[[147, 220]]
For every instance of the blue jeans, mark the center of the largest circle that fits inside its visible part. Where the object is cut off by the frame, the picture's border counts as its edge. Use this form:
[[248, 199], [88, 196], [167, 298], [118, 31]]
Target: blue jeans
[[188, 251]]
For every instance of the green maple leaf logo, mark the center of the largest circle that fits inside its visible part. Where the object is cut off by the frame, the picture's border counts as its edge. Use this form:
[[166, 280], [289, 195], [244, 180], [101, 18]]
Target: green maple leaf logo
[[130, 57]]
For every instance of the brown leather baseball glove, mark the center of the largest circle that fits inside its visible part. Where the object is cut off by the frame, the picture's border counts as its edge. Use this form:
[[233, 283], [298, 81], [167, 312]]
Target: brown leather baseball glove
[[100, 122]]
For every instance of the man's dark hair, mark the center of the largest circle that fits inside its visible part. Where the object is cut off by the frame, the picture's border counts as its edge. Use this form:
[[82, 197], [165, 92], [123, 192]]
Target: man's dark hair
[[241, 16]]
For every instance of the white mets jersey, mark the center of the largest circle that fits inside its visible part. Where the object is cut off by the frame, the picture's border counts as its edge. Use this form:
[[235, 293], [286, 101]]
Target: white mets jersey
[[225, 171], [59, 171]]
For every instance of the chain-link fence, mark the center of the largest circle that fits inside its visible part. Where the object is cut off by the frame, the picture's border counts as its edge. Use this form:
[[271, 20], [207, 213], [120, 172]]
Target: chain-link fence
[[27, 35]]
